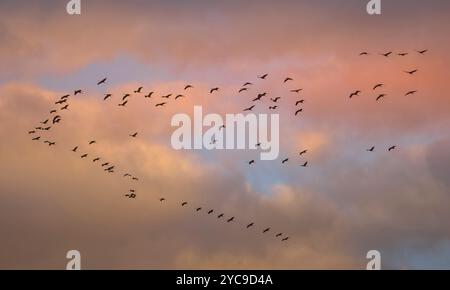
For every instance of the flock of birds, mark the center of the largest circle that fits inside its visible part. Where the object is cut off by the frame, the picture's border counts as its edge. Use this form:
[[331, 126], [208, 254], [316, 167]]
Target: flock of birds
[[379, 86], [108, 167]]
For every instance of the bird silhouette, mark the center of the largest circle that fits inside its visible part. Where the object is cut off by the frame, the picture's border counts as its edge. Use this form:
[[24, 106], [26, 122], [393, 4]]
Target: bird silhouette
[[166, 96], [285, 239], [123, 104], [213, 90], [65, 107], [285, 160], [392, 148], [298, 111], [56, 119], [77, 92], [377, 86], [149, 95], [45, 122], [303, 152], [242, 90], [65, 97], [220, 216], [53, 111], [84, 156], [230, 219], [134, 135], [355, 93], [31, 132], [139, 90], [198, 209], [135, 178], [75, 149], [105, 164], [249, 109], [296, 91], [247, 84], [50, 143], [422, 51], [275, 100], [412, 71], [279, 235], [188, 87], [102, 81], [299, 102], [364, 53], [263, 77], [92, 142], [130, 195], [259, 97], [251, 162], [266, 230], [387, 54], [273, 108], [107, 96], [160, 104], [210, 211], [305, 164], [36, 138], [371, 149], [125, 97], [162, 199], [178, 96], [184, 203], [410, 93], [403, 54], [250, 225], [287, 79], [96, 159], [60, 102], [380, 96]]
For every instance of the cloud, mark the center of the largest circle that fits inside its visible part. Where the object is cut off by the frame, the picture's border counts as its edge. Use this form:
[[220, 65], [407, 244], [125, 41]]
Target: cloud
[[42, 38], [345, 204], [77, 206], [438, 157]]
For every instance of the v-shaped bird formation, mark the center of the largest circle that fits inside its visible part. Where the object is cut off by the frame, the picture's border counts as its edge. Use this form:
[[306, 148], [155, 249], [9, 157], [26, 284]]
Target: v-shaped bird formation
[[258, 98], [82, 150]]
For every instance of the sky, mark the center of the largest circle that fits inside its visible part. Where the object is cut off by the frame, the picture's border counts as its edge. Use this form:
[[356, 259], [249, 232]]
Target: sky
[[345, 203]]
